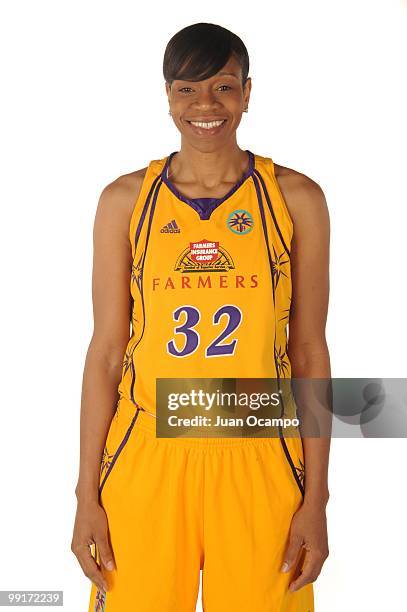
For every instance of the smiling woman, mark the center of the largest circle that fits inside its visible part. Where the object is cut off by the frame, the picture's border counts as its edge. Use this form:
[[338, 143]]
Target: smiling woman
[[215, 69], [215, 243]]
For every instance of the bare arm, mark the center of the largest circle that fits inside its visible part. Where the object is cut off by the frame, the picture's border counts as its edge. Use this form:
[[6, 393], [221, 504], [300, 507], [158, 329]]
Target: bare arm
[[307, 347], [111, 312], [103, 365], [309, 355]]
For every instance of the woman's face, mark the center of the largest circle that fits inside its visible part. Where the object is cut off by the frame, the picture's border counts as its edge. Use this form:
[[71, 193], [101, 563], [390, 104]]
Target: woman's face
[[217, 103]]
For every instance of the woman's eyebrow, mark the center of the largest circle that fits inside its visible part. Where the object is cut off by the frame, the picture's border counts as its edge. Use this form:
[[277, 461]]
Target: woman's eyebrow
[[218, 74], [228, 74]]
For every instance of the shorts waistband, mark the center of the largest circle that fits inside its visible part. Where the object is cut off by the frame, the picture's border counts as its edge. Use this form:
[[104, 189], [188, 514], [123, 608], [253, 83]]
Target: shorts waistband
[[147, 421]]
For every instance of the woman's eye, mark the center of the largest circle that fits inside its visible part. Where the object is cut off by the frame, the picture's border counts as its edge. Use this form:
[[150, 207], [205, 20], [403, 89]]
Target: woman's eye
[[185, 89], [225, 86]]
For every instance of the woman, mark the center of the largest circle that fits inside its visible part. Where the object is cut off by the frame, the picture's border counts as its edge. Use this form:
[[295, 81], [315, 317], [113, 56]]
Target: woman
[[214, 243]]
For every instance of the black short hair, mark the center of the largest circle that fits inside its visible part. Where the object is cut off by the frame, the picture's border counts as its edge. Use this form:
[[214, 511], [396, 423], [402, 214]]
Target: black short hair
[[199, 51]]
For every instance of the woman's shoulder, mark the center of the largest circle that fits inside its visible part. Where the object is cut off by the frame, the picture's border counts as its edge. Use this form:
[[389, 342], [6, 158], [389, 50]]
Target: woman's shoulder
[[301, 193], [127, 187], [291, 180], [294, 177], [120, 194]]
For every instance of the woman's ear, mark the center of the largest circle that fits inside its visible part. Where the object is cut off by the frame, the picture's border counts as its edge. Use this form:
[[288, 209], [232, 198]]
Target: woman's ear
[[168, 90], [247, 89]]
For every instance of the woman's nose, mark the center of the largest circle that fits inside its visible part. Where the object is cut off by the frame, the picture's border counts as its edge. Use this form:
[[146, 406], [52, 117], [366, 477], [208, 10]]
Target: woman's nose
[[205, 100]]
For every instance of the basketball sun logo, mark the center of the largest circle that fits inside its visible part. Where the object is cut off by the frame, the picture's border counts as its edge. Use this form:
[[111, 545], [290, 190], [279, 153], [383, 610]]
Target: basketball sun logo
[[240, 221]]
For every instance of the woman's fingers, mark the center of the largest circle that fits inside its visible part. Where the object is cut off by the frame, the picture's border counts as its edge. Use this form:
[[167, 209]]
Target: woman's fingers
[[89, 565], [91, 529], [293, 548], [105, 552], [314, 560]]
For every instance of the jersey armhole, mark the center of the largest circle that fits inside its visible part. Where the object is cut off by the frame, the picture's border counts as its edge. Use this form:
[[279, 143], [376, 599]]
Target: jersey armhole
[[148, 179], [284, 207], [133, 219]]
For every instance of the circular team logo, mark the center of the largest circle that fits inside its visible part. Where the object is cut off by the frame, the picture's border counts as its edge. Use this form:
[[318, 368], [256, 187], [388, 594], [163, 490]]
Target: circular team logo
[[240, 221]]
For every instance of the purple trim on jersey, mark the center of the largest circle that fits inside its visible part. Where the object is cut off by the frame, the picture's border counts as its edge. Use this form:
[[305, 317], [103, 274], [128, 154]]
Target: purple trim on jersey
[[280, 429], [137, 234], [120, 448], [263, 220], [202, 204], [150, 219], [205, 206], [272, 211], [291, 462], [143, 214], [266, 238]]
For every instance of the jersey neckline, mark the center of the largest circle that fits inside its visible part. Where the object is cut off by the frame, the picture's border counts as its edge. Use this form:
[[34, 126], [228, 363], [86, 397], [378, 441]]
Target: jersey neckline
[[211, 203]]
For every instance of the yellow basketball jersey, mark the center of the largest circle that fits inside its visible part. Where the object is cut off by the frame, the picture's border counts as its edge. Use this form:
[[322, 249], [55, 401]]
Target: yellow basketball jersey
[[211, 285]]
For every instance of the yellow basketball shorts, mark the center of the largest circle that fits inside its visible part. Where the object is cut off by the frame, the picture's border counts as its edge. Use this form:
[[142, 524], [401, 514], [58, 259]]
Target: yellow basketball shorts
[[178, 506]]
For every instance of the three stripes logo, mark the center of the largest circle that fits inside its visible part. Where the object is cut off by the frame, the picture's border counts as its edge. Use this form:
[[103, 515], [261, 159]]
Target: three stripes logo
[[170, 228]]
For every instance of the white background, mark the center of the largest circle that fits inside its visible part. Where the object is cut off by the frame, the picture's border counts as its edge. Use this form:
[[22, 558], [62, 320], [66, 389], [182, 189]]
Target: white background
[[83, 102]]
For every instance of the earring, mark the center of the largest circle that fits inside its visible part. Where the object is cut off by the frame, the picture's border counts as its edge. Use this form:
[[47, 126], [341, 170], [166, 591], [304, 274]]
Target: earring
[[246, 110], [169, 112]]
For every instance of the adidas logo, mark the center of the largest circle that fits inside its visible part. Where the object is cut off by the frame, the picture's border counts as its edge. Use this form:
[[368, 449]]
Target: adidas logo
[[170, 228]]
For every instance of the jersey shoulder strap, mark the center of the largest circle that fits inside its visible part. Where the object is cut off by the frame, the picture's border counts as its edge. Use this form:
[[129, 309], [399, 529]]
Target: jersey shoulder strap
[[144, 199], [275, 201]]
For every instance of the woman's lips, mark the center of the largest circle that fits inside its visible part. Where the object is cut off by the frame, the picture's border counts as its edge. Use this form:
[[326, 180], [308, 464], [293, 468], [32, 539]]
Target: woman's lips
[[207, 128]]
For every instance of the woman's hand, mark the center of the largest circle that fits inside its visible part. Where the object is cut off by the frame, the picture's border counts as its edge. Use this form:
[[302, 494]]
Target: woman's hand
[[91, 527], [309, 531]]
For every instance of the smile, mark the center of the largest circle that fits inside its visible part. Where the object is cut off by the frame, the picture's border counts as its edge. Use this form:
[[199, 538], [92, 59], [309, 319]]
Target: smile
[[207, 125]]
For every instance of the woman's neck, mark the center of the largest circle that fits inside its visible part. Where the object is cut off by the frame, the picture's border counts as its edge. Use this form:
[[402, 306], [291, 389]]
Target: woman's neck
[[207, 171]]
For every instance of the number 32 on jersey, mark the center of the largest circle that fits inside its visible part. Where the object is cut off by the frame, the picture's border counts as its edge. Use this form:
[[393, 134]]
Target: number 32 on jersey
[[219, 347]]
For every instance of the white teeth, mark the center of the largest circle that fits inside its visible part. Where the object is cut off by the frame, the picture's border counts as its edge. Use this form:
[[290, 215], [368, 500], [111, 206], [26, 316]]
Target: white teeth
[[207, 126]]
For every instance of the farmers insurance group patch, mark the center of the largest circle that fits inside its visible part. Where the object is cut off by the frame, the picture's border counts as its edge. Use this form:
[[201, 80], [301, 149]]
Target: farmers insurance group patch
[[204, 255]]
